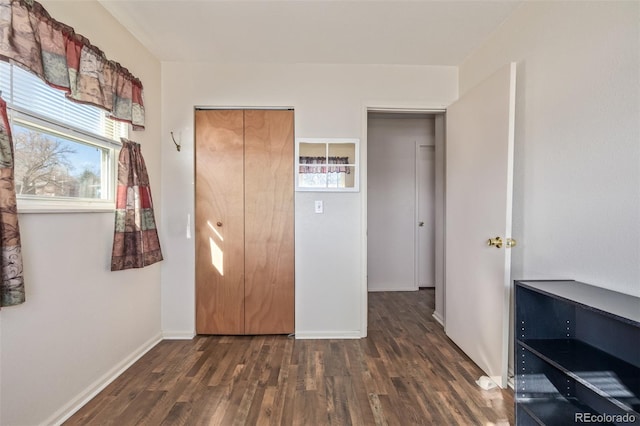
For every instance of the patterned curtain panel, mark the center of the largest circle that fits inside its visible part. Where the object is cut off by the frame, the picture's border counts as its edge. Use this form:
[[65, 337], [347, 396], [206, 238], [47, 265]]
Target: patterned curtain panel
[[12, 287], [135, 241], [68, 61]]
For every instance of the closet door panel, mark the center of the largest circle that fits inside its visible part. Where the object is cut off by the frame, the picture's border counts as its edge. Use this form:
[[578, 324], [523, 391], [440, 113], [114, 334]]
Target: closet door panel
[[269, 222], [219, 221]]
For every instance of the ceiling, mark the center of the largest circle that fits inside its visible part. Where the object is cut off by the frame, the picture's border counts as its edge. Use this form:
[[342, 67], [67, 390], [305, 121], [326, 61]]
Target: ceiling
[[414, 32]]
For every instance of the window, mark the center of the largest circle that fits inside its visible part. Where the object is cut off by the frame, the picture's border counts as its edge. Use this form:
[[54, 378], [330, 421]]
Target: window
[[64, 151], [326, 164]]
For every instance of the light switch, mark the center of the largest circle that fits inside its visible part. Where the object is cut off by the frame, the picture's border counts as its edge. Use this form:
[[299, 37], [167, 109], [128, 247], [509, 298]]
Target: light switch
[[319, 206]]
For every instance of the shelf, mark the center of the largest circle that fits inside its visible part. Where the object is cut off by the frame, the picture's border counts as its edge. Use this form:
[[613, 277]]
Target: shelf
[[560, 411], [622, 307], [576, 353], [620, 382]]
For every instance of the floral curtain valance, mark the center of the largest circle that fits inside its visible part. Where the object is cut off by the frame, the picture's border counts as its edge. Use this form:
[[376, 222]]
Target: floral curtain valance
[[319, 164], [66, 60]]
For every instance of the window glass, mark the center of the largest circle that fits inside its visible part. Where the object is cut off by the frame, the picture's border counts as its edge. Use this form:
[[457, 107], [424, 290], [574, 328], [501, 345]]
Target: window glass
[[327, 164], [64, 151], [52, 165]]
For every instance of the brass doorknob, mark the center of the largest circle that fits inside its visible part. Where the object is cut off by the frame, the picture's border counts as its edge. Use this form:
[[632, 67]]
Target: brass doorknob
[[495, 242], [219, 224]]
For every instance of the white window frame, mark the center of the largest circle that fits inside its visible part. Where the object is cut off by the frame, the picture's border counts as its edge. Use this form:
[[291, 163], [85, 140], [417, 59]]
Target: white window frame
[[43, 204], [40, 204]]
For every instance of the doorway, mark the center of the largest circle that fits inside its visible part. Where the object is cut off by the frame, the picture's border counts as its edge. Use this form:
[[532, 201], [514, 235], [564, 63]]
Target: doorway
[[405, 202]]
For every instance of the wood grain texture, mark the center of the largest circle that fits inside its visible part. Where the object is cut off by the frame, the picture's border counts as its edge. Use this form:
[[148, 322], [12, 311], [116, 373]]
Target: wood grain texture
[[269, 222], [219, 182], [407, 372]]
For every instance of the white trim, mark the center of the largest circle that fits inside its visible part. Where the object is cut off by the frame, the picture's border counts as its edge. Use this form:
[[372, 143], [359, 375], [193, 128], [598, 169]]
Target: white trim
[[279, 108], [58, 205], [401, 110], [436, 316], [416, 218], [178, 335], [416, 233], [364, 283], [328, 335], [392, 288], [96, 387], [506, 327], [441, 159]]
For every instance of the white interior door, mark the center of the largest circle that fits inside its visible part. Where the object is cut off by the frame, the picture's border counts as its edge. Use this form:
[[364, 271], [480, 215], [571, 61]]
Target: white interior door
[[479, 182], [425, 226]]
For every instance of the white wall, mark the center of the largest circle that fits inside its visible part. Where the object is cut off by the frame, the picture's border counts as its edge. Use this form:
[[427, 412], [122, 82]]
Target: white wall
[[81, 322], [329, 101], [577, 182], [391, 198]]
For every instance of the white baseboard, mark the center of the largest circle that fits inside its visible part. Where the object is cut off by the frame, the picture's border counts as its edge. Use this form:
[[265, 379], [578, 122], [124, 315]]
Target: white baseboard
[[178, 335], [390, 288], [438, 317], [328, 335], [92, 390]]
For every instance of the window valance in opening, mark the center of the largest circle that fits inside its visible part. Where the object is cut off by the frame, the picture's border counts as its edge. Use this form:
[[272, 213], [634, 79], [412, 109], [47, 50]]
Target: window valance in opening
[[323, 161], [68, 61]]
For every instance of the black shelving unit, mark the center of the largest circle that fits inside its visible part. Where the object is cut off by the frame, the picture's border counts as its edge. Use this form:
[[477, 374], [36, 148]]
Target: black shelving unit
[[577, 355]]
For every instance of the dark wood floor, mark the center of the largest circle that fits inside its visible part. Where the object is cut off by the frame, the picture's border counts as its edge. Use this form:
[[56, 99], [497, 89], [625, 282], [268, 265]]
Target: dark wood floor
[[406, 372]]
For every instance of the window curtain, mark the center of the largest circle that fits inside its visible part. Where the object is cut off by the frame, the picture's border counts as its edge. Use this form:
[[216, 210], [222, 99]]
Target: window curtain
[[68, 61], [307, 164], [135, 241], [318, 164], [12, 287]]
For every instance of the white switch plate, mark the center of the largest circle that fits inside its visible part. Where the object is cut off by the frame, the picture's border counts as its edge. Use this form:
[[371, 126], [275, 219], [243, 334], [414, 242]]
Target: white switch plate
[[319, 206]]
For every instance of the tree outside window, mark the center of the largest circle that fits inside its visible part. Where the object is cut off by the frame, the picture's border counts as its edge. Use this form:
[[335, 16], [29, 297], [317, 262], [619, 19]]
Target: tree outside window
[[53, 166]]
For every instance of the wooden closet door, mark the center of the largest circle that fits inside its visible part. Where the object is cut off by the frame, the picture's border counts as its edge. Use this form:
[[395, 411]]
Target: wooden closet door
[[219, 221], [269, 222]]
